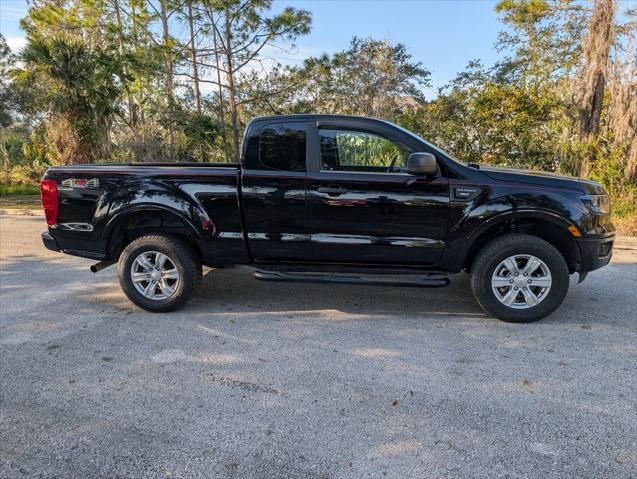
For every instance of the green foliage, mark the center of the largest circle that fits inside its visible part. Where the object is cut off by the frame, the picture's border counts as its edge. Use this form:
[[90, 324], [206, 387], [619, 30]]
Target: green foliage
[[7, 95], [372, 77], [73, 84], [24, 157], [18, 189], [482, 120], [544, 36], [362, 149], [36, 152], [609, 171]]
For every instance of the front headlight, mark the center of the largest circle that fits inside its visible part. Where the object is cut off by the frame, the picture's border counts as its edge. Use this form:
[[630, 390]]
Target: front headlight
[[598, 204]]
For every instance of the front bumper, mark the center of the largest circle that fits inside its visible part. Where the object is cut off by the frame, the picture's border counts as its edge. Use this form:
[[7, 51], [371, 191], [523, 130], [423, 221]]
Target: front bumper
[[49, 242], [594, 252]]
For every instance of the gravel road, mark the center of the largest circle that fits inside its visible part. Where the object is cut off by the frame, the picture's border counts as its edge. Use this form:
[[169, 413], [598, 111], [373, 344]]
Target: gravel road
[[285, 380]]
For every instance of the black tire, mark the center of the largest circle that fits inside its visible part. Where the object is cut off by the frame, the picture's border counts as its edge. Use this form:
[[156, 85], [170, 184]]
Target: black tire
[[504, 247], [179, 253]]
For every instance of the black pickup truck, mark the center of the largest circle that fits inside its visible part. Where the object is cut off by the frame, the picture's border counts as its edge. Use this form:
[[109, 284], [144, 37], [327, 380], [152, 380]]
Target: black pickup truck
[[338, 199]]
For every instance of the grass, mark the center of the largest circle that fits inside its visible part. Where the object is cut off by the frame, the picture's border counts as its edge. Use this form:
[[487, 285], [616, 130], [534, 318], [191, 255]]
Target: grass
[[19, 196], [7, 189]]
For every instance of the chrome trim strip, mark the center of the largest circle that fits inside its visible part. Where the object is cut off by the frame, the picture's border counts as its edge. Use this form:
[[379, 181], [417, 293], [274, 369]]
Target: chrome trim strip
[[408, 242], [279, 236], [76, 226], [230, 235]]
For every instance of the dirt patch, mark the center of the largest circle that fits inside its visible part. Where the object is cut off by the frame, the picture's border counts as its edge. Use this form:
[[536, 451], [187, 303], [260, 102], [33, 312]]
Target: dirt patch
[[31, 202]]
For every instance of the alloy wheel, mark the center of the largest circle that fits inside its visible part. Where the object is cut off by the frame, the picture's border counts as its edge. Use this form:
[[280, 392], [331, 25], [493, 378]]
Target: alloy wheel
[[154, 275], [521, 281]]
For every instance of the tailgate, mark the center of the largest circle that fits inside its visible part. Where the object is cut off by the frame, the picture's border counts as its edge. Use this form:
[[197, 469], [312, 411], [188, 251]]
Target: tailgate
[[78, 199]]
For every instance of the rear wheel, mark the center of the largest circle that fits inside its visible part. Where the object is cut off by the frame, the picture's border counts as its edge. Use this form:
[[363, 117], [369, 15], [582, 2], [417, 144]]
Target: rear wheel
[[519, 278], [158, 273]]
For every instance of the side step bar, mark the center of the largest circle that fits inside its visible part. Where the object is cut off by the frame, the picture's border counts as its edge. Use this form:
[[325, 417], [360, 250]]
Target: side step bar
[[421, 281]]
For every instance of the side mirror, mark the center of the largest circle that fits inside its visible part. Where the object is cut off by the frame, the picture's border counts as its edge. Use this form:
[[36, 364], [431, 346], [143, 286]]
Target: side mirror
[[422, 164]]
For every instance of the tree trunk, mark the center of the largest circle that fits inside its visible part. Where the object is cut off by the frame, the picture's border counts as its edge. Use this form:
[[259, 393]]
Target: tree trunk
[[222, 113], [120, 50], [193, 55], [593, 118], [596, 46], [231, 87], [168, 64], [168, 59], [138, 112]]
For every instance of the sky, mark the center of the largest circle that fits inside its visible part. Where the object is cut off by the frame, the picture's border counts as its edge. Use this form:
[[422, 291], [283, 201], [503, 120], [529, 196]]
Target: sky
[[442, 34]]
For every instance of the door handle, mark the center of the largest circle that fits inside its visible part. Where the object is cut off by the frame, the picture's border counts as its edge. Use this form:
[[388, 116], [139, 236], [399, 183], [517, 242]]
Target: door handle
[[332, 190]]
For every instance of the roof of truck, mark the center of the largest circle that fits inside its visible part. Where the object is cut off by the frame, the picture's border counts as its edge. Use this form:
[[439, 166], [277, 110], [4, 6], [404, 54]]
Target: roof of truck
[[306, 116], [316, 115], [325, 117]]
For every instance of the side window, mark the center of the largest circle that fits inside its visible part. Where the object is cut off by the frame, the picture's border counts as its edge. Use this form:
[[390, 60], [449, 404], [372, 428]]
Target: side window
[[282, 147], [349, 150]]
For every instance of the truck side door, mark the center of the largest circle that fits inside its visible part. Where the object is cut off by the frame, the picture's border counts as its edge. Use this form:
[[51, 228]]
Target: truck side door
[[363, 205], [273, 192]]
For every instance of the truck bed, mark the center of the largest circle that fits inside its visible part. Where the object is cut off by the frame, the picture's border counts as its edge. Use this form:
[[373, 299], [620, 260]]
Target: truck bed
[[99, 205], [156, 163]]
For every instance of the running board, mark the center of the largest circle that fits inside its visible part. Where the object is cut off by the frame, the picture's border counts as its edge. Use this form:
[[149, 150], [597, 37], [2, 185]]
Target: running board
[[421, 281]]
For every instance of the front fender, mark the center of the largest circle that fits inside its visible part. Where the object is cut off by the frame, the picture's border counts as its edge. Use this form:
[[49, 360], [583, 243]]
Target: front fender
[[500, 206], [462, 246], [550, 216]]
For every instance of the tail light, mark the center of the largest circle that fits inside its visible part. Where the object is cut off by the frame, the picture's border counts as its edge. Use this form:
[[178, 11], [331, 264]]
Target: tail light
[[49, 194]]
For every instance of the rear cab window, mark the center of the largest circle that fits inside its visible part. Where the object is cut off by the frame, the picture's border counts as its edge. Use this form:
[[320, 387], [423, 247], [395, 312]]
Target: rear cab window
[[278, 146]]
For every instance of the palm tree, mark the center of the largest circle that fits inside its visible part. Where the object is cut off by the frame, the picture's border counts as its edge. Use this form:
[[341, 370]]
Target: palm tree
[[76, 86]]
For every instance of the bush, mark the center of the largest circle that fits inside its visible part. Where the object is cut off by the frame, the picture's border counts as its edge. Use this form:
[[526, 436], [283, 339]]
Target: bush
[[18, 189]]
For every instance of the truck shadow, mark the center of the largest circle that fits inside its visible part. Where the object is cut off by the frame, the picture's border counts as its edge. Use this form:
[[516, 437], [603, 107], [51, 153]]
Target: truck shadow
[[60, 282], [236, 288], [46, 284]]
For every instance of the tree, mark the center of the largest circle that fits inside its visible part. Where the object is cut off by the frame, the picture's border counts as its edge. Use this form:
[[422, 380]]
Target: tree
[[622, 108], [193, 54], [543, 39], [594, 72], [7, 97], [243, 32], [482, 119], [74, 86], [551, 51], [372, 78], [121, 50]]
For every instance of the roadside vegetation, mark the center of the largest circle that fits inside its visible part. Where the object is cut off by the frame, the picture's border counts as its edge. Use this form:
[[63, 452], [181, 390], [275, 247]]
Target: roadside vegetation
[[159, 80]]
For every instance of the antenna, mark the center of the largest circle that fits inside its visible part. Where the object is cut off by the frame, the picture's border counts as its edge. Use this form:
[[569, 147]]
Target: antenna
[[274, 110]]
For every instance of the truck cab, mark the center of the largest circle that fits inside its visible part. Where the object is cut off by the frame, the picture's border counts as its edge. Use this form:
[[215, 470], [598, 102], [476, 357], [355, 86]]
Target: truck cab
[[337, 190]]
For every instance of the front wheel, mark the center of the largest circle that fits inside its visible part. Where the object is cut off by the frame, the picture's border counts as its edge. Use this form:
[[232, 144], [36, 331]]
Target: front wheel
[[519, 278], [158, 273]]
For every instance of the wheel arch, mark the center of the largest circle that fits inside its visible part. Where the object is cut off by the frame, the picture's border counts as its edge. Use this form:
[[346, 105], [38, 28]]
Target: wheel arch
[[143, 219], [549, 226]]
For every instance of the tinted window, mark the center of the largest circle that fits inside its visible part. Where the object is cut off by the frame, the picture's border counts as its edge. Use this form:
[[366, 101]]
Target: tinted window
[[282, 147], [348, 150], [251, 149]]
